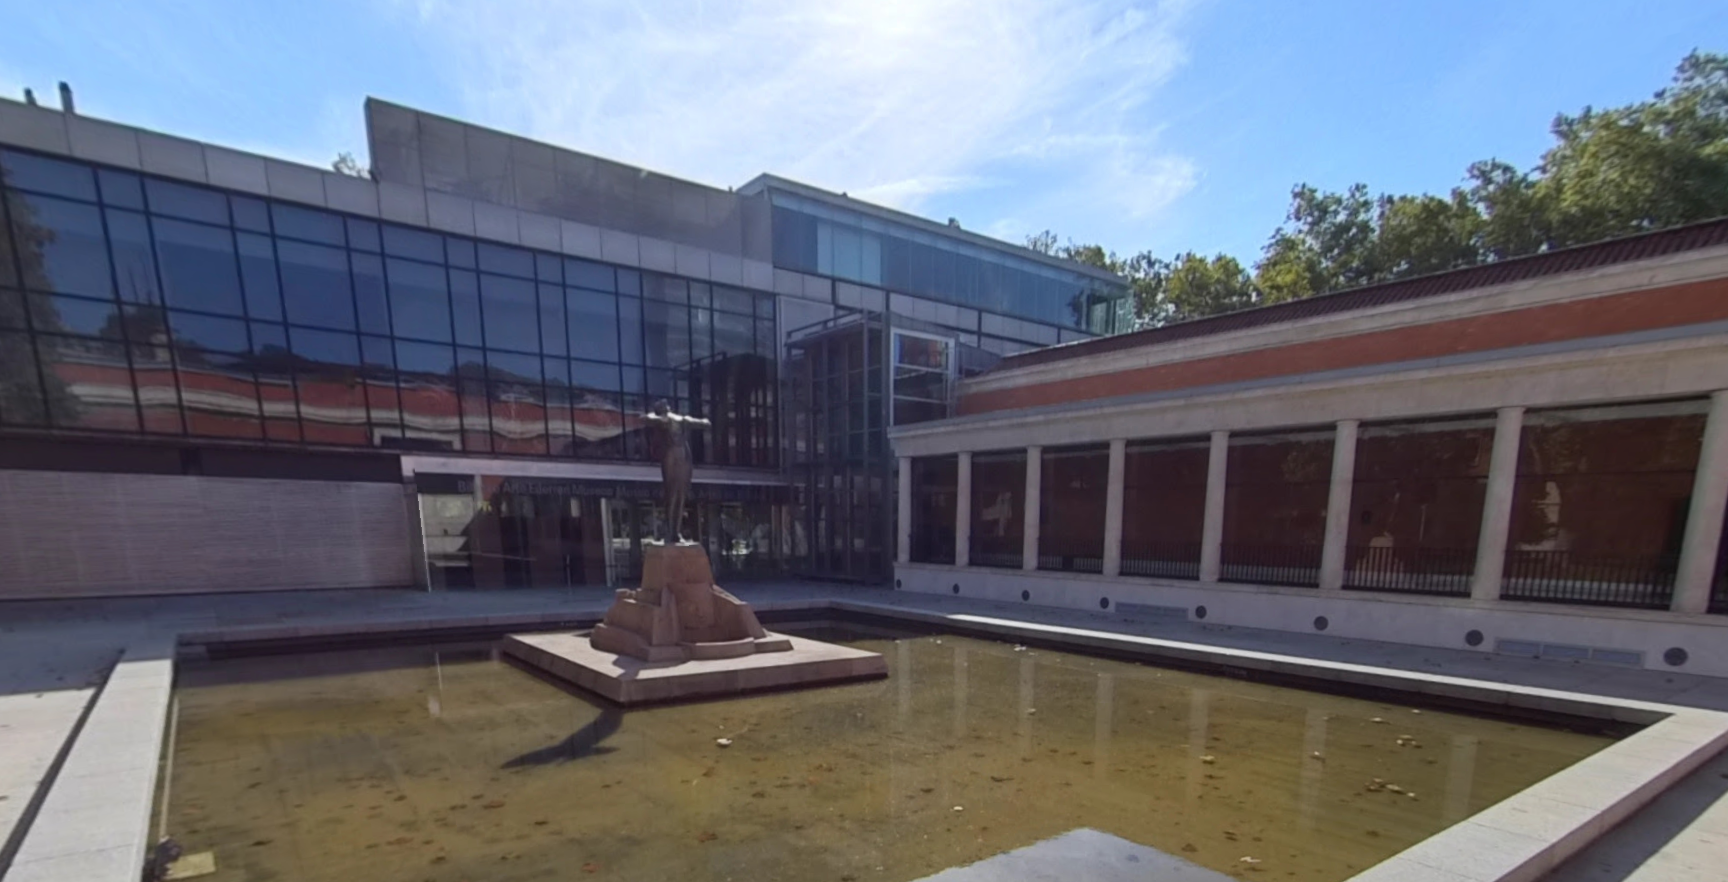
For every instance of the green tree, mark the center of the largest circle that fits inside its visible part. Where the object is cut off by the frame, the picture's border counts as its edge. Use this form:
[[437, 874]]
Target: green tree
[[1193, 286], [1654, 164]]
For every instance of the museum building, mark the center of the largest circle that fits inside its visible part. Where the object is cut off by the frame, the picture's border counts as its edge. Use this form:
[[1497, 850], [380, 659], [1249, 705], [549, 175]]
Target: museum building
[[1529, 456], [221, 371]]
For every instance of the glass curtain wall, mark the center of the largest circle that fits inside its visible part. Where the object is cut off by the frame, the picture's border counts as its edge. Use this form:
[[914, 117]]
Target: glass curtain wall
[[842, 467], [139, 305], [813, 237]]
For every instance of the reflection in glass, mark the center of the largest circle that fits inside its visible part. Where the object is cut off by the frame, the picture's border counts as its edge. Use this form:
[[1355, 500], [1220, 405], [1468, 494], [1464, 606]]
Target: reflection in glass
[[61, 244], [419, 300], [315, 285], [219, 392], [328, 387], [198, 268], [20, 386], [87, 383]]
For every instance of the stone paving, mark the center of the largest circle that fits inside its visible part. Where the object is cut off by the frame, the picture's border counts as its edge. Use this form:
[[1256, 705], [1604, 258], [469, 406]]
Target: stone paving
[[54, 653]]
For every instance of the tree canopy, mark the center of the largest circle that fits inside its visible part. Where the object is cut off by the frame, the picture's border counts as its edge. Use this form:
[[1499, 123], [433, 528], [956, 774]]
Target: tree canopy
[[1615, 172]]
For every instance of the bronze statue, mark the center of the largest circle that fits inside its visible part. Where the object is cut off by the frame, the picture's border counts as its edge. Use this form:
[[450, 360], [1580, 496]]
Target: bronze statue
[[675, 468]]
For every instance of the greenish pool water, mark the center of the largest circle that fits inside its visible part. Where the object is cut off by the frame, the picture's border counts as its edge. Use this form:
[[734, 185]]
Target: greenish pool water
[[447, 764]]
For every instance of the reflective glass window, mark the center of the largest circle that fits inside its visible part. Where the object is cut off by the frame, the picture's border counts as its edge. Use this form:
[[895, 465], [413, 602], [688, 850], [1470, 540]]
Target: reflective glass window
[[594, 324], [425, 358], [43, 175], [629, 330], [191, 203], [370, 302], [198, 266], [734, 334], [552, 331], [511, 314], [506, 261], [734, 300], [207, 332], [220, 394], [250, 214], [20, 386], [134, 257], [594, 375], [465, 306], [315, 285], [258, 276], [122, 189], [362, 235], [419, 300], [460, 251], [548, 268], [420, 245], [11, 309], [269, 340], [587, 274], [665, 334], [629, 282], [74, 315], [60, 245], [88, 384], [305, 223]]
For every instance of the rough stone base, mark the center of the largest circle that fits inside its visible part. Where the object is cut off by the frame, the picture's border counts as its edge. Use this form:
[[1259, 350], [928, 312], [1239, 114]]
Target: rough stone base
[[626, 680]]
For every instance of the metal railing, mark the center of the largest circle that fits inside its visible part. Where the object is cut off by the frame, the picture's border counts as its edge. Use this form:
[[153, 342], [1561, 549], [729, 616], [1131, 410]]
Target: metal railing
[[1645, 582], [1297, 566], [1438, 571], [1071, 563], [1003, 560], [1161, 560]]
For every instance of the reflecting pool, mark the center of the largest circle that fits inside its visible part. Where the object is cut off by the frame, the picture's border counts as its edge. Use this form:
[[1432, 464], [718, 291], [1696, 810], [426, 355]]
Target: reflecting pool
[[448, 763]]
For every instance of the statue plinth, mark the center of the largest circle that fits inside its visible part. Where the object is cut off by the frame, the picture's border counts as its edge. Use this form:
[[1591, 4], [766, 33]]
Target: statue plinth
[[679, 614]]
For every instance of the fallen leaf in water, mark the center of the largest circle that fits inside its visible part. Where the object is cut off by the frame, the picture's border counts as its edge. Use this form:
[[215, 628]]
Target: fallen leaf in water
[[705, 836], [492, 804]]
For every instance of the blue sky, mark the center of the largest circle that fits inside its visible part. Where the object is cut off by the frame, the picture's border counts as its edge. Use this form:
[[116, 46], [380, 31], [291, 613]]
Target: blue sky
[[1173, 126]]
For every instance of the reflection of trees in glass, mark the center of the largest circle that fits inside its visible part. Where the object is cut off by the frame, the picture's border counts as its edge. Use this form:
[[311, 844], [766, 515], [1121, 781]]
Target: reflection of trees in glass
[[21, 390]]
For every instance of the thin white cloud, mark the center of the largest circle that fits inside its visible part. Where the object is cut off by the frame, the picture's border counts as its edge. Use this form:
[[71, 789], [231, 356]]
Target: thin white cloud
[[906, 102]]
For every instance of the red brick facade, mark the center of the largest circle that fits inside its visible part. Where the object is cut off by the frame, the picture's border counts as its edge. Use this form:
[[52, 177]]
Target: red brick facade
[[1649, 309]]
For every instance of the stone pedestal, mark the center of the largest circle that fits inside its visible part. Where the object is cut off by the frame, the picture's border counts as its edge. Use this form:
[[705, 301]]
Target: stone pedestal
[[679, 613], [680, 638]]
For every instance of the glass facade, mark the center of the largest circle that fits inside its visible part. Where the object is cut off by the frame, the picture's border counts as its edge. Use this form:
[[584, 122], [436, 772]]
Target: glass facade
[[134, 304], [812, 236]]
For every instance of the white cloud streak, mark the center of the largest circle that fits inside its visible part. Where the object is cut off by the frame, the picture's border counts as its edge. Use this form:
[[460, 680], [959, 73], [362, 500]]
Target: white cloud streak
[[1040, 105]]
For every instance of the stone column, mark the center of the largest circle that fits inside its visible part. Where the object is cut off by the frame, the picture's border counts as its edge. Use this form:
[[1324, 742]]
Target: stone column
[[963, 513], [1332, 553], [1031, 524], [1497, 506], [1113, 508], [1700, 546], [904, 503], [1212, 528]]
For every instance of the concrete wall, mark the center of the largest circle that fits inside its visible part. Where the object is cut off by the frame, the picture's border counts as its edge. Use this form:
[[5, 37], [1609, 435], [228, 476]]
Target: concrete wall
[[1626, 637], [69, 534]]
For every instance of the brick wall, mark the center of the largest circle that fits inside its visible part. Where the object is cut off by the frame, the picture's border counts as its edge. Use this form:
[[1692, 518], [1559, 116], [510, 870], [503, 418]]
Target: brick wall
[[68, 534], [1649, 309]]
